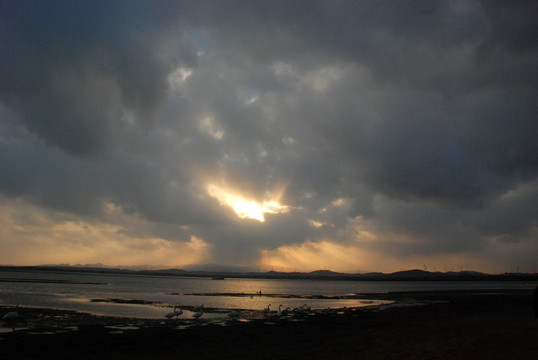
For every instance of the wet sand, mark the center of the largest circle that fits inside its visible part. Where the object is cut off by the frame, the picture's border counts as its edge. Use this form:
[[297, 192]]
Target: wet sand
[[446, 325]]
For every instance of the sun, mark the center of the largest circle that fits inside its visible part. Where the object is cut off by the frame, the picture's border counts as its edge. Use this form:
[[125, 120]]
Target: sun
[[248, 209], [243, 208]]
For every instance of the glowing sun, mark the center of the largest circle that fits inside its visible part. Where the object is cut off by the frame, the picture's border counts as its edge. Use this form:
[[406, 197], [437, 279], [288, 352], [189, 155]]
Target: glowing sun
[[244, 208]]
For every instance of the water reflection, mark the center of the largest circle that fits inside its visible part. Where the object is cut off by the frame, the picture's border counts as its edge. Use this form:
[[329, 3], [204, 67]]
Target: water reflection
[[152, 297]]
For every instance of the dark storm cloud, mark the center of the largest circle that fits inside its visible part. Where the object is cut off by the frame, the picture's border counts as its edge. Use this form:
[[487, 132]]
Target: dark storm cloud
[[418, 117], [73, 69], [436, 112]]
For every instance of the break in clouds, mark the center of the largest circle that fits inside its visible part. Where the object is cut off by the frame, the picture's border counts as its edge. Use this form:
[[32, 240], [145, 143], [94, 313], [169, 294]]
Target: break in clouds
[[286, 133]]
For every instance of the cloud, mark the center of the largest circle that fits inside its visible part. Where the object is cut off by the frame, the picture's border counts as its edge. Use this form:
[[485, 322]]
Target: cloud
[[412, 122], [33, 236], [75, 71]]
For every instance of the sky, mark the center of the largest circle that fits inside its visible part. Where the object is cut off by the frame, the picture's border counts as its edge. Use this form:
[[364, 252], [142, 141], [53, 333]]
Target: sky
[[350, 136]]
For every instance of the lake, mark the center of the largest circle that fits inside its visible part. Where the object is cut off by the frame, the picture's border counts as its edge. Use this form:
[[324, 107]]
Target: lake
[[154, 296]]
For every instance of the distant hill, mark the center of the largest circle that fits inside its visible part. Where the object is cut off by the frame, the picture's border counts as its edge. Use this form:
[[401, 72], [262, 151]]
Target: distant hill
[[325, 273], [240, 272], [410, 273], [219, 268]]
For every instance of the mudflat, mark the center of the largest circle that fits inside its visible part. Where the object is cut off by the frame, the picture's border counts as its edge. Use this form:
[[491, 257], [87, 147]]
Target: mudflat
[[425, 325]]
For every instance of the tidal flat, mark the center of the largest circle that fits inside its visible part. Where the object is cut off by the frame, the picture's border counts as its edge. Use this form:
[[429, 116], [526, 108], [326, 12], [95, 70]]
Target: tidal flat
[[435, 325]]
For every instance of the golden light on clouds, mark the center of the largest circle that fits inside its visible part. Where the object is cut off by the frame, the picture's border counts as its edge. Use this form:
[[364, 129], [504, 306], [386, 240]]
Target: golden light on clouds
[[354, 258], [315, 223], [310, 256], [31, 236], [245, 208]]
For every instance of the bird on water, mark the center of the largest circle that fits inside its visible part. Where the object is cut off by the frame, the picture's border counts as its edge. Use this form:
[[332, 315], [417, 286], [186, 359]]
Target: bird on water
[[177, 311], [199, 313], [234, 314], [12, 314]]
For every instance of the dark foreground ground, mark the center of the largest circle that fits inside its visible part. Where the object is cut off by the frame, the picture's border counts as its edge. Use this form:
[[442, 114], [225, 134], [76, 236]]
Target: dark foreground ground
[[452, 325]]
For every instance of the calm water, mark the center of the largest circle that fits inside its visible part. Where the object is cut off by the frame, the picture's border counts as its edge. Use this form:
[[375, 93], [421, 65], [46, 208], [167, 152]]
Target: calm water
[[165, 292]]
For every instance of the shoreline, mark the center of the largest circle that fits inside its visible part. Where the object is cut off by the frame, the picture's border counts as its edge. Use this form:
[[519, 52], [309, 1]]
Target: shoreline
[[447, 324], [405, 275]]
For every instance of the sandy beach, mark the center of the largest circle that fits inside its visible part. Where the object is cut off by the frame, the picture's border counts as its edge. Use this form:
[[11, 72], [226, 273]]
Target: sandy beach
[[444, 325]]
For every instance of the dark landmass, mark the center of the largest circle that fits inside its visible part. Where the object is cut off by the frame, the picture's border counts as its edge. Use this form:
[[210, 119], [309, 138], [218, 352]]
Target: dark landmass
[[125, 301], [52, 281], [492, 324], [408, 275]]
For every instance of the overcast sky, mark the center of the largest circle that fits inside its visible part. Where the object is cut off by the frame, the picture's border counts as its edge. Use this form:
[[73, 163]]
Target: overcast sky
[[293, 135]]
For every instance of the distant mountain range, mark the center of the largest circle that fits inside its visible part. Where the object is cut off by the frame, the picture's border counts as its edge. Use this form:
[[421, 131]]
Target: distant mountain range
[[221, 271]]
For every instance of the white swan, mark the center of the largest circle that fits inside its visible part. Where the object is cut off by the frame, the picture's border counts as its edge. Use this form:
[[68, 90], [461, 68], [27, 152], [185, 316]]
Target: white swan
[[234, 314], [12, 314], [175, 313], [280, 313], [267, 309], [199, 313]]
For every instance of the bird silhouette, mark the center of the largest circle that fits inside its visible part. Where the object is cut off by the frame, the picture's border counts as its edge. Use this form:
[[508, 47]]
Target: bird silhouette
[[234, 314], [12, 315], [199, 313], [175, 313], [267, 309]]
